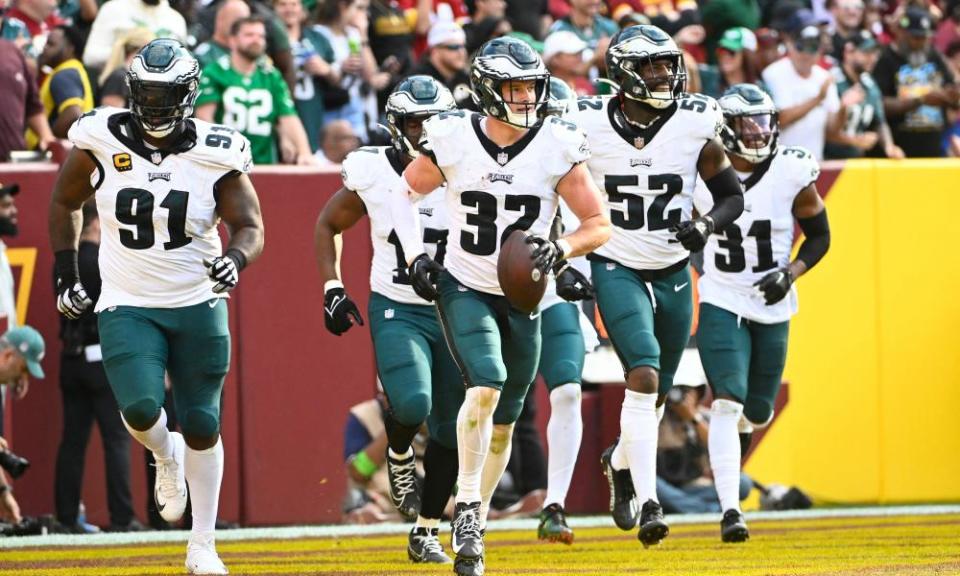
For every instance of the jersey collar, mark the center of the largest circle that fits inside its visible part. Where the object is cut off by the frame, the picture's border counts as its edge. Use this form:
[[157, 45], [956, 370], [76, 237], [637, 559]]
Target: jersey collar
[[634, 136], [393, 156], [502, 156], [759, 172], [124, 129]]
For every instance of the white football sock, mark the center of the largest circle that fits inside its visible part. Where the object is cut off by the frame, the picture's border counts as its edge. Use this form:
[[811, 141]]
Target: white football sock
[[564, 433], [155, 438], [474, 428], [402, 457], [638, 437], [501, 444], [724, 447], [204, 472]]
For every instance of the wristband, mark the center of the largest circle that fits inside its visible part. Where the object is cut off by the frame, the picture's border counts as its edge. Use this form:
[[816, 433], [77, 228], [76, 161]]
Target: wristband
[[238, 258], [331, 284], [565, 248], [68, 268], [364, 465]]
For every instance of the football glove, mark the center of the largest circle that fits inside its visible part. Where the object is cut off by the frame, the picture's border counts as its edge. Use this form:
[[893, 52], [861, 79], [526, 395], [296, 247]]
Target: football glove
[[775, 285], [693, 234], [545, 254], [572, 284], [339, 311], [224, 271], [72, 299], [423, 277]]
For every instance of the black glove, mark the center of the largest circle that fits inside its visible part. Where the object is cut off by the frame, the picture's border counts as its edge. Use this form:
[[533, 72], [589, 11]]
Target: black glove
[[572, 284], [72, 299], [546, 253], [423, 277], [693, 233], [225, 270], [339, 311], [775, 285]]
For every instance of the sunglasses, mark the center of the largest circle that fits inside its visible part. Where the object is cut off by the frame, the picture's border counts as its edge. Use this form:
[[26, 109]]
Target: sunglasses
[[453, 47]]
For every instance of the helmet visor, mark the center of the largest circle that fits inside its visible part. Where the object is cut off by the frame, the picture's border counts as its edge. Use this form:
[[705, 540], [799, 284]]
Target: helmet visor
[[157, 104], [754, 131]]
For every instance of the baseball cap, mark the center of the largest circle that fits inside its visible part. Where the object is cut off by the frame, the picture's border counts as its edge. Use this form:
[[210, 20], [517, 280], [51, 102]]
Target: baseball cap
[[917, 22], [29, 343], [808, 40], [445, 33], [9, 189], [737, 39], [562, 42], [864, 40]]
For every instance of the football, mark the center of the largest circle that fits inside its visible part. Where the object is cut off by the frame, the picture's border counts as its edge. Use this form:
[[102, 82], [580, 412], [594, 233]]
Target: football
[[521, 282]]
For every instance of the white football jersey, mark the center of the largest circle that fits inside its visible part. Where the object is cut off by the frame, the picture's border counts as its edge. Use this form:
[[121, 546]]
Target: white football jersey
[[570, 223], [759, 241], [372, 172], [647, 176], [158, 214], [492, 191]]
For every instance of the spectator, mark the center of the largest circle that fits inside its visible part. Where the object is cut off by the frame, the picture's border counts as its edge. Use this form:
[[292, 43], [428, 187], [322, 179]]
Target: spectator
[[210, 23], [79, 13], [117, 17], [446, 60], [948, 31], [337, 139], [428, 13], [735, 62], [861, 103], [248, 94], [113, 79], [485, 30], [531, 17], [804, 92], [86, 396], [918, 87], [563, 55], [39, 17], [19, 100], [218, 45], [66, 93], [16, 31], [482, 10], [9, 508], [391, 41], [721, 15], [678, 18], [345, 23], [585, 21], [8, 228], [684, 483], [847, 23], [769, 47]]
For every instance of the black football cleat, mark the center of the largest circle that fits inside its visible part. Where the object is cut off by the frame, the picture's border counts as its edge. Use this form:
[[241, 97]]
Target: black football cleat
[[623, 499], [471, 567], [424, 547], [653, 528], [733, 527], [404, 486], [553, 525]]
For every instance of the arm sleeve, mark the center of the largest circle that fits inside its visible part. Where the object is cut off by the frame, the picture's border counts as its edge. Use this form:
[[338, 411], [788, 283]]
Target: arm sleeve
[[66, 87], [816, 242], [727, 192]]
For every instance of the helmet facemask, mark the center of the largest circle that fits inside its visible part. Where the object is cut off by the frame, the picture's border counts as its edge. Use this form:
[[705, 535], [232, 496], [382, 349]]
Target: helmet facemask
[[519, 113], [415, 98], [752, 137], [501, 76], [158, 106], [665, 82]]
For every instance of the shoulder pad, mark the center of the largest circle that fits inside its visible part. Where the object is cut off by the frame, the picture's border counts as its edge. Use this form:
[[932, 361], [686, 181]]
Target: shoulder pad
[[570, 142], [703, 111], [223, 147], [90, 129], [442, 136], [803, 166], [357, 170]]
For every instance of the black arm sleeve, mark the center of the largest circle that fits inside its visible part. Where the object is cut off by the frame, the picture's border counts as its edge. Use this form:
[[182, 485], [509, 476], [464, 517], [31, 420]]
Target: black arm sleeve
[[727, 192], [816, 242]]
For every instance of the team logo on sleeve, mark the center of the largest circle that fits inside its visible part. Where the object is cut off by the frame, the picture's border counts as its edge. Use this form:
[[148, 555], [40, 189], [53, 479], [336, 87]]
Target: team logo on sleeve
[[122, 162]]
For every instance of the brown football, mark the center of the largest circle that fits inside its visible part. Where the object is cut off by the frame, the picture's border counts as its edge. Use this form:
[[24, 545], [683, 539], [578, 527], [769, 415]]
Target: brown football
[[521, 282]]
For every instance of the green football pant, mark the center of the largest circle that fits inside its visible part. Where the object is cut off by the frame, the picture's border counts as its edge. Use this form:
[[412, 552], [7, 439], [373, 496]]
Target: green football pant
[[493, 344], [743, 359], [418, 374], [647, 321], [192, 344], [562, 351]]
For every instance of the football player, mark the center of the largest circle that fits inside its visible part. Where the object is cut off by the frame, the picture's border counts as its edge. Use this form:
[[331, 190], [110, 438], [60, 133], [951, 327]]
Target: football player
[[504, 170], [416, 369], [649, 141], [747, 292], [162, 183], [561, 361]]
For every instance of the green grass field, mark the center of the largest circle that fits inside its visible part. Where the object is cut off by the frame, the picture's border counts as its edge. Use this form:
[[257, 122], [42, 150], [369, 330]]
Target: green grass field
[[882, 545]]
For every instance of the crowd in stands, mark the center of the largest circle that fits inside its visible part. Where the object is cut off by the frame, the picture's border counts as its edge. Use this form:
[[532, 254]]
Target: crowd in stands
[[306, 80]]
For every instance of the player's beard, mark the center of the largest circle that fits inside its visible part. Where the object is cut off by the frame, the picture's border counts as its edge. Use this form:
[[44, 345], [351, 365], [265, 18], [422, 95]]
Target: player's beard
[[8, 227]]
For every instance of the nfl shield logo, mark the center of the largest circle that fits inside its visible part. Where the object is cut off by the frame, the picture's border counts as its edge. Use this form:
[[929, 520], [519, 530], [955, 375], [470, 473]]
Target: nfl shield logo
[[156, 158], [638, 142], [502, 158]]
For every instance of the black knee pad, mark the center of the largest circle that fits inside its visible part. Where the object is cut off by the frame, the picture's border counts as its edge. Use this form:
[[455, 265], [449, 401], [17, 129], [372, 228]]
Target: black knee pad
[[141, 414], [413, 410], [199, 422]]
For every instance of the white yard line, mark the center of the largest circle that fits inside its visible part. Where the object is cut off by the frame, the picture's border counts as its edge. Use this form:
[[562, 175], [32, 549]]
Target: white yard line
[[346, 531]]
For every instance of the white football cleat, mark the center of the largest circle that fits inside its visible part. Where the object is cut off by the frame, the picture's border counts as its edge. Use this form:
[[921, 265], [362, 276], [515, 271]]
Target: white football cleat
[[170, 489], [202, 556]]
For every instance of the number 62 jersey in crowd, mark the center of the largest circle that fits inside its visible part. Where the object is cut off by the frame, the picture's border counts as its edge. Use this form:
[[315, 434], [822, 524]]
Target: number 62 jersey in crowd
[[157, 208]]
